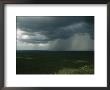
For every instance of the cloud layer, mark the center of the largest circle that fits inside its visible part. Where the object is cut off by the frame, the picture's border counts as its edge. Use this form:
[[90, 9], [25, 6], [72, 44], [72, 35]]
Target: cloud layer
[[65, 33]]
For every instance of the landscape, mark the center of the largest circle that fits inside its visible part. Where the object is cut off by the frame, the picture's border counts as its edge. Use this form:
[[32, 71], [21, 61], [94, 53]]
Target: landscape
[[55, 45], [55, 62]]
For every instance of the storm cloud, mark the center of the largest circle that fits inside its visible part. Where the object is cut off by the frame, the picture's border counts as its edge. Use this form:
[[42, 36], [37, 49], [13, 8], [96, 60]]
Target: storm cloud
[[73, 33]]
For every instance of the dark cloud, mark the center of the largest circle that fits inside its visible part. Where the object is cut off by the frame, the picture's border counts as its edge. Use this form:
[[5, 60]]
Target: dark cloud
[[55, 27], [43, 29]]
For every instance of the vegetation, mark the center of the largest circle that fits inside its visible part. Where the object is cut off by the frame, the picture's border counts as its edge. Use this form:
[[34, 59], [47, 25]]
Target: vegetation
[[55, 62]]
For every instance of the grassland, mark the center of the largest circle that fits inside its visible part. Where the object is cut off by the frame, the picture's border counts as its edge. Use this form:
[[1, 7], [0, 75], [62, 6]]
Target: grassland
[[54, 62]]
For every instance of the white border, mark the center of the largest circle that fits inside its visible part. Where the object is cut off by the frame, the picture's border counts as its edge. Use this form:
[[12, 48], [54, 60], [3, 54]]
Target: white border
[[99, 79]]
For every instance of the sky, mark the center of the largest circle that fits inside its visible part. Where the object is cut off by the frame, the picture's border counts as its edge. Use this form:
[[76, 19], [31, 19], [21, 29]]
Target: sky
[[55, 33]]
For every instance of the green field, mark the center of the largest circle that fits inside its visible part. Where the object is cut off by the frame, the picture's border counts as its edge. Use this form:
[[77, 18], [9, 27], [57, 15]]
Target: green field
[[54, 62]]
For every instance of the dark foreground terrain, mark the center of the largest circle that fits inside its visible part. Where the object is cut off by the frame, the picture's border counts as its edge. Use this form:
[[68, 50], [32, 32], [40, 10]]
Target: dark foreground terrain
[[54, 62]]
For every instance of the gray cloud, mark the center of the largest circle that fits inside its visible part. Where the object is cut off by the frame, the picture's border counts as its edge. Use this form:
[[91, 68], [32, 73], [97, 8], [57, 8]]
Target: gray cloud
[[78, 42], [55, 29]]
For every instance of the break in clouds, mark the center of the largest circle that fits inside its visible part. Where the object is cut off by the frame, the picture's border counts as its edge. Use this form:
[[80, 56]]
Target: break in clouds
[[57, 33]]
